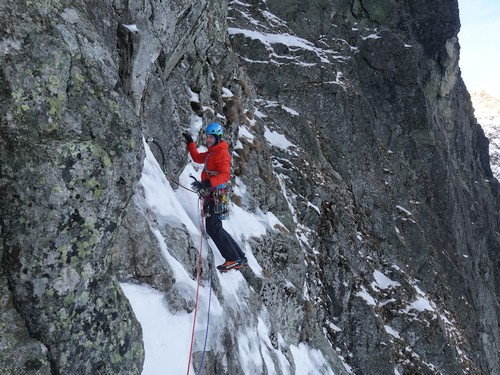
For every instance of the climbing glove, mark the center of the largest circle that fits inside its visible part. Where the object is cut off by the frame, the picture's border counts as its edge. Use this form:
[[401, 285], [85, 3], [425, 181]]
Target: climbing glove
[[199, 186], [188, 138]]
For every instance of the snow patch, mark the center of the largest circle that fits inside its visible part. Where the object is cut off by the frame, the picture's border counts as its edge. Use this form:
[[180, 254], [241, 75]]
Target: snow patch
[[132, 27], [366, 296], [277, 140], [309, 361], [391, 331], [383, 282]]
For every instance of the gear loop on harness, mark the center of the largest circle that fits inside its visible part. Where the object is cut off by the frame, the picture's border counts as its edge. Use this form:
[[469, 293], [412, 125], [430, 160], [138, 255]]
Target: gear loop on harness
[[216, 201]]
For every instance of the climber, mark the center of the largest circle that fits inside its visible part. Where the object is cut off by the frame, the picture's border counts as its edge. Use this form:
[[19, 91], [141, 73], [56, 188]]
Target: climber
[[215, 175]]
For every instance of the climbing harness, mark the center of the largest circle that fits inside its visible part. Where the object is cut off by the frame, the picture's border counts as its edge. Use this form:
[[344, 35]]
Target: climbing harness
[[215, 200], [220, 197]]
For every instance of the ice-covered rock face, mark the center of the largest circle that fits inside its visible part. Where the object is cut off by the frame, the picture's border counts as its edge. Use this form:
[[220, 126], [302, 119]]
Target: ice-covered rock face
[[362, 192]]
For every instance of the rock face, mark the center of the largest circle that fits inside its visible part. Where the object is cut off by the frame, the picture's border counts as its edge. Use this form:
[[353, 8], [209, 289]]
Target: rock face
[[380, 101], [388, 258], [70, 158]]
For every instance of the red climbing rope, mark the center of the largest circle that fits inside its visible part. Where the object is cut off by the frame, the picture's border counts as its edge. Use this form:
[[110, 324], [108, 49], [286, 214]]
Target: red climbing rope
[[197, 291]]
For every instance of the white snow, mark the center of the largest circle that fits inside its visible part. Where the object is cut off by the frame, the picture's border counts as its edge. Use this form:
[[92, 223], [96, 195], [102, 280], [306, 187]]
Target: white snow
[[249, 348], [420, 304], [244, 132], [309, 361], [404, 210], [291, 41], [293, 112], [382, 281], [277, 140], [167, 334], [193, 97], [363, 293], [226, 93], [334, 327], [132, 27], [159, 326], [260, 114], [314, 207], [196, 125], [371, 36], [391, 331]]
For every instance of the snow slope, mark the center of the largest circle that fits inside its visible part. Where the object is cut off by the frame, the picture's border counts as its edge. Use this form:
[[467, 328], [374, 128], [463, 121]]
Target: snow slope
[[167, 334]]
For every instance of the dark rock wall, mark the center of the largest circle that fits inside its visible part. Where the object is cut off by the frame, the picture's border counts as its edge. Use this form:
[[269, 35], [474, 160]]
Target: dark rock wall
[[397, 130]]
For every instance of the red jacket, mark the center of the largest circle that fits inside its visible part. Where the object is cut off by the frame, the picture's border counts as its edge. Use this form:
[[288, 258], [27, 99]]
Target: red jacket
[[217, 162]]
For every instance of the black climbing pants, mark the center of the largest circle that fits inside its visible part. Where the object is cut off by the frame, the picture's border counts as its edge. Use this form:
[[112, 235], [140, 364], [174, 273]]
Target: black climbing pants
[[228, 247]]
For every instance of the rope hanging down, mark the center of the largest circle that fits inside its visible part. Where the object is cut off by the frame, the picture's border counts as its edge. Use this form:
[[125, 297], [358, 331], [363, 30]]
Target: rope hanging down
[[209, 304], [164, 165], [202, 236]]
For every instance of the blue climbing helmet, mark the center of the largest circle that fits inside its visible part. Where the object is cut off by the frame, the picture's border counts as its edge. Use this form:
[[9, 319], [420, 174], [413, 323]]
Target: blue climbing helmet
[[216, 130]]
